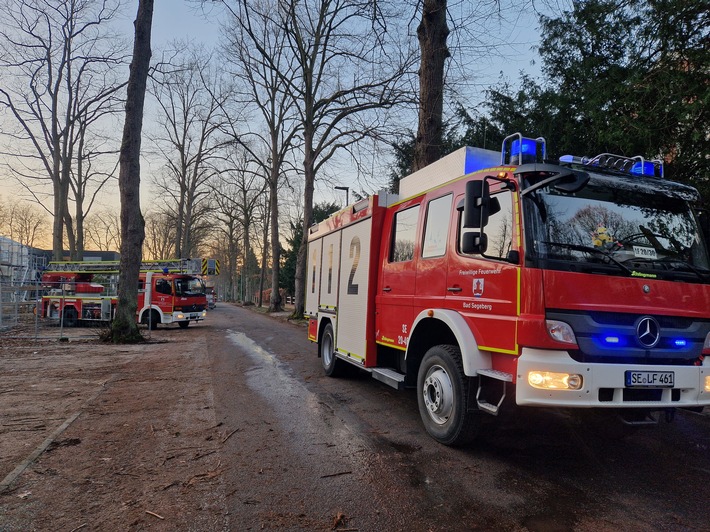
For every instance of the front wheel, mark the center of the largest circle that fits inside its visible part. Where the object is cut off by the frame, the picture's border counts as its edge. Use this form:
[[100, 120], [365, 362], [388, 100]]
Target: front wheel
[[442, 389], [70, 317]]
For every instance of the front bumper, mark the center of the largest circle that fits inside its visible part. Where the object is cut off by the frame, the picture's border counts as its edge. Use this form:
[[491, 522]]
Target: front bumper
[[189, 316], [604, 385]]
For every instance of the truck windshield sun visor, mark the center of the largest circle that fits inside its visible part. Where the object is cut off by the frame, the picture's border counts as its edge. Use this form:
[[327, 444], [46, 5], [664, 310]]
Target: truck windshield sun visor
[[542, 175]]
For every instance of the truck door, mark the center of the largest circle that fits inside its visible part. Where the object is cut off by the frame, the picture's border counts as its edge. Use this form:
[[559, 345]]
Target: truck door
[[486, 286], [396, 288], [431, 288]]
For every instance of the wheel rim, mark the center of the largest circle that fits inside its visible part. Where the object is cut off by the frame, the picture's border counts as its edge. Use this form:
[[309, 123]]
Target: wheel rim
[[327, 353], [438, 393]]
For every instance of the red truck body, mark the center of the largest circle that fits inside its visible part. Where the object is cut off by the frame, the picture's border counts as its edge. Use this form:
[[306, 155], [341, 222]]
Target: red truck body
[[167, 293], [581, 284]]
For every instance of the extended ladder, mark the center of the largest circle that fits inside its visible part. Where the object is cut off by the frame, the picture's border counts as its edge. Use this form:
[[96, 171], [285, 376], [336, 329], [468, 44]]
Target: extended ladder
[[190, 266]]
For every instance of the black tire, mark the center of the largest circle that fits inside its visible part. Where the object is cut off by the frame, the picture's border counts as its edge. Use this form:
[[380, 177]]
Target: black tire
[[154, 320], [442, 389], [70, 317], [183, 324], [151, 319], [332, 365]]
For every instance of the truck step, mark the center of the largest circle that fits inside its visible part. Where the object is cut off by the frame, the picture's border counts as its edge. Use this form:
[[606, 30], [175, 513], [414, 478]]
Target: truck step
[[487, 407], [389, 376], [495, 374]]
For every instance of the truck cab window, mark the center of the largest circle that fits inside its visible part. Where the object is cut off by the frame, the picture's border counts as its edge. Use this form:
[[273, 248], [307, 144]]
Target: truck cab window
[[404, 234], [436, 231], [162, 286], [499, 229]]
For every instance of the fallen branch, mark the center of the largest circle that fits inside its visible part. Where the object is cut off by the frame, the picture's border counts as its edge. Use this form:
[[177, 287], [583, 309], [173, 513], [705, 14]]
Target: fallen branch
[[230, 435], [155, 515], [78, 528], [337, 474], [198, 456]]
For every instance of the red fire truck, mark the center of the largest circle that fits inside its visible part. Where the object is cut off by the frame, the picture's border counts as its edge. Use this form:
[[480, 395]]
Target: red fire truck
[[169, 291], [582, 283]]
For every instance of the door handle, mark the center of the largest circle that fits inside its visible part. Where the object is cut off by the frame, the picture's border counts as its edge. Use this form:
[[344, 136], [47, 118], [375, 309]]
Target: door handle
[[386, 289], [454, 289]]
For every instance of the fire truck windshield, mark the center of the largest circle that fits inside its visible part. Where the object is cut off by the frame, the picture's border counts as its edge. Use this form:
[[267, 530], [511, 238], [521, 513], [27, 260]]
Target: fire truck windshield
[[615, 227], [189, 286]]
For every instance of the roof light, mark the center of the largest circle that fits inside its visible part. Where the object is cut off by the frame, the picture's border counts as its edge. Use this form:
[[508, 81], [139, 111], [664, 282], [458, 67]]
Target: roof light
[[521, 150], [643, 168]]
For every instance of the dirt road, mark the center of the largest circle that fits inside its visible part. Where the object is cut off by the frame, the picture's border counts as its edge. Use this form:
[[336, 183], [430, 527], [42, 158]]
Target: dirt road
[[230, 425]]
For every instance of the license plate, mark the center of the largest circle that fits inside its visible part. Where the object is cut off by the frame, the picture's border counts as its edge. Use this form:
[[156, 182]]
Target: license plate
[[655, 379]]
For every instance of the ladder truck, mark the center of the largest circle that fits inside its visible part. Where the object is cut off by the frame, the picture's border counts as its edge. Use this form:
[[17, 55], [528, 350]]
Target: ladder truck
[[169, 291], [503, 279]]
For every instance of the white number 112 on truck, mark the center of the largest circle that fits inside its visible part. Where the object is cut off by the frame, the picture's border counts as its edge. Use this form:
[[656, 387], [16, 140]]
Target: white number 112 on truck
[[582, 283]]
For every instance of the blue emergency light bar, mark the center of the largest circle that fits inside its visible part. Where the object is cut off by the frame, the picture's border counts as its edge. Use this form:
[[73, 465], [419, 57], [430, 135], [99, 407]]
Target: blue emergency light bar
[[630, 165]]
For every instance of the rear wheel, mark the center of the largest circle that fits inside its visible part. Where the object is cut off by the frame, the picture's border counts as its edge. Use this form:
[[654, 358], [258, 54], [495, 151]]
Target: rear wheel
[[183, 324], [332, 366], [442, 390], [70, 317]]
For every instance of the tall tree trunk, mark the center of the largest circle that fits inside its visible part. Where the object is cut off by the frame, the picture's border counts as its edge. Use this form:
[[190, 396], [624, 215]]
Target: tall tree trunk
[[432, 33], [309, 185], [264, 254], [275, 303], [125, 328]]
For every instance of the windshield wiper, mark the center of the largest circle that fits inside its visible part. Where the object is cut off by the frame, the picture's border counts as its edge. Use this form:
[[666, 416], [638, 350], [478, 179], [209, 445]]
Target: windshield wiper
[[594, 251]]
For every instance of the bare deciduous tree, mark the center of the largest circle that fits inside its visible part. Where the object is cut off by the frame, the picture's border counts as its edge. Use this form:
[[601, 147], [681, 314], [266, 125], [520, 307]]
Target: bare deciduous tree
[[257, 48], [237, 194], [159, 243], [432, 33], [103, 230], [59, 83], [347, 71], [23, 222], [191, 98], [124, 327]]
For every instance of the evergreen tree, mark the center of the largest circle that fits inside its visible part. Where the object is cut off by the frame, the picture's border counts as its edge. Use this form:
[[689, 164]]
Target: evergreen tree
[[621, 76]]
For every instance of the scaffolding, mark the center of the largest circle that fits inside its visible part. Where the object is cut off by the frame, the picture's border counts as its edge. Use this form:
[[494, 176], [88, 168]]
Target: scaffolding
[[20, 272]]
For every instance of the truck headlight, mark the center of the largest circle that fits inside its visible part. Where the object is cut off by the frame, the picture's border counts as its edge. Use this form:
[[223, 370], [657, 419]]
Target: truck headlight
[[548, 380]]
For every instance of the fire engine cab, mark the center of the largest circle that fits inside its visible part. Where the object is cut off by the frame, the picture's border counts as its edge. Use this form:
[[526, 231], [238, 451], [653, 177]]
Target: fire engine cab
[[169, 291], [579, 283]]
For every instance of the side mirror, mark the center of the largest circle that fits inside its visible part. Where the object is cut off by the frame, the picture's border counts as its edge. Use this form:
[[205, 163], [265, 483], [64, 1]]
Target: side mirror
[[478, 205], [474, 243]]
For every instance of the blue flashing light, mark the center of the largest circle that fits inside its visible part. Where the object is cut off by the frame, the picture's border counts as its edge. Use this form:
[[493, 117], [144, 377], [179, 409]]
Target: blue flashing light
[[529, 146], [525, 152], [645, 168], [680, 342], [612, 340], [166, 270]]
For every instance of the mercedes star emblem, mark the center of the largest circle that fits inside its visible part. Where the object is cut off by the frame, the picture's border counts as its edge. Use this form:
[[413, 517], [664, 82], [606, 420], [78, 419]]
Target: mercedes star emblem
[[648, 332]]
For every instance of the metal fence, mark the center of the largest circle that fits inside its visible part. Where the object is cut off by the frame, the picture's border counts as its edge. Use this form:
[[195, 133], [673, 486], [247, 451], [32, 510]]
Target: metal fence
[[21, 316]]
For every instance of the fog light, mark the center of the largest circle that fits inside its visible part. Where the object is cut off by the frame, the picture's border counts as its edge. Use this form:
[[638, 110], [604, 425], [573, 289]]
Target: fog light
[[547, 380], [180, 316]]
